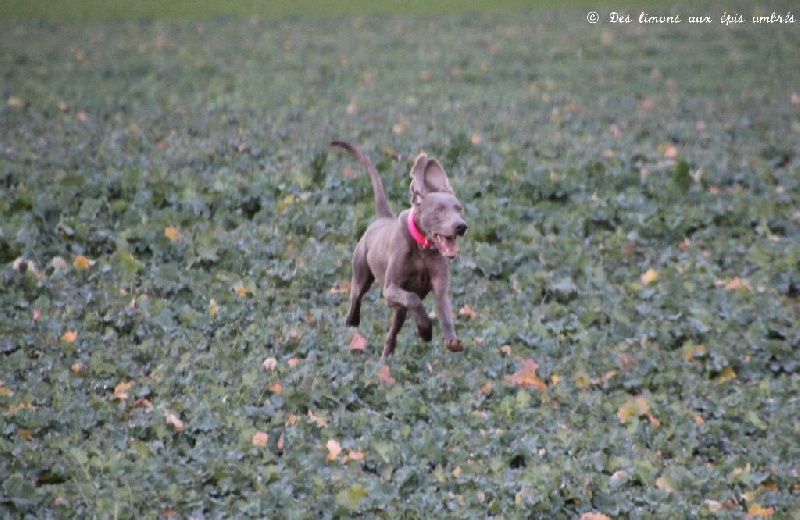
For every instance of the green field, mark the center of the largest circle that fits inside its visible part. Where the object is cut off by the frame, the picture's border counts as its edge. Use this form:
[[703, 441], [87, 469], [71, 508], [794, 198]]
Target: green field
[[124, 9], [175, 238]]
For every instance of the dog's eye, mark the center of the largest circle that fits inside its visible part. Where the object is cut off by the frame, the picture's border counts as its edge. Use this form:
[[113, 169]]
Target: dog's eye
[[439, 209]]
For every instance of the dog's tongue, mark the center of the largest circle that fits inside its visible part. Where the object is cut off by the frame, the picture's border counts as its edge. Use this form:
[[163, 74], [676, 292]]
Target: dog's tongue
[[447, 246]]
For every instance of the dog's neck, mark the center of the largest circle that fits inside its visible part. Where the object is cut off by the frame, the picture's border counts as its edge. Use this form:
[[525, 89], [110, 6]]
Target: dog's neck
[[418, 237]]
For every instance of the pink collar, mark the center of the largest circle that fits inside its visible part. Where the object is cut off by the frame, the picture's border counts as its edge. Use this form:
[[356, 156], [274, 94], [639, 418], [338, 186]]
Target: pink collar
[[415, 233]]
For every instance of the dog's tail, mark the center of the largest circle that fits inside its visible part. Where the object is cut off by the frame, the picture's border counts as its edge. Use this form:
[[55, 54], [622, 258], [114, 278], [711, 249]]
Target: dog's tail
[[381, 205]]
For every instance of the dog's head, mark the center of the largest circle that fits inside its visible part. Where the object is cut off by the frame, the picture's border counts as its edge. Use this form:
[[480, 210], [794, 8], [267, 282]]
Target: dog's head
[[436, 208]]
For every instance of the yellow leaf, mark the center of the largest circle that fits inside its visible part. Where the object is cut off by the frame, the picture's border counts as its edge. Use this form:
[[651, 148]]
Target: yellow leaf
[[319, 421], [688, 352], [354, 455], [618, 475], [633, 409], [627, 411], [582, 380], [174, 421], [21, 406], [487, 389], [555, 379], [664, 483], [121, 390], [725, 375], [739, 470], [757, 510], [642, 405], [650, 276], [334, 449], [438, 474], [670, 151], [769, 485], [58, 263], [468, 311], [260, 439], [213, 308], [77, 368], [457, 471], [286, 202], [738, 283], [385, 376], [5, 391], [70, 336], [270, 363], [358, 342], [594, 516], [343, 287], [81, 262], [291, 419], [505, 350], [276, 388], [25, 434], [526, 376], [143, 402], [172, 233], [241, 290]]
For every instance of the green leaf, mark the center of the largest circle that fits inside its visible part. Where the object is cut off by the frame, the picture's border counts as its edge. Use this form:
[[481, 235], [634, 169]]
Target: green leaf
[[351, 497], [752, 417], [19, 490], [681, 176], [128, 263]]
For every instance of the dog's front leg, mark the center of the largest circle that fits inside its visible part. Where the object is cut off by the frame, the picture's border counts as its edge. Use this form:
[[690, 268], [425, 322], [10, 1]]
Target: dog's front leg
[[441, 289], [397, 297]]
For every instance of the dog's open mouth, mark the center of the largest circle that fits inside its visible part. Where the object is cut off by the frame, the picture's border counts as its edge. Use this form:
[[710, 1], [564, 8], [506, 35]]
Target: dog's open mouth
[[448, 246]]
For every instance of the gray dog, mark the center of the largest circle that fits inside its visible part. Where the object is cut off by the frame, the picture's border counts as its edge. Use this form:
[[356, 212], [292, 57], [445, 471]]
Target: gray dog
[[409, 254]]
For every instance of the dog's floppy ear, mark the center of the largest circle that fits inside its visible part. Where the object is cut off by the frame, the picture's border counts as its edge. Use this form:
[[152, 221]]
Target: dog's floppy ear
[[418, 178]]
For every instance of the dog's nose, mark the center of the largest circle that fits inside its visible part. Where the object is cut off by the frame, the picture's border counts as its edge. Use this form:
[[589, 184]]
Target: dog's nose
[[461, 228]]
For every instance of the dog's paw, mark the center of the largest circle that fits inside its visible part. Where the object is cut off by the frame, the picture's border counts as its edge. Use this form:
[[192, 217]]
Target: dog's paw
[[425, 330], [454, 345], [352, 321]]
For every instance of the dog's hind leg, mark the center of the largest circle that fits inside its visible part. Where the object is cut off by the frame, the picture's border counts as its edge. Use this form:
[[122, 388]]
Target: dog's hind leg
[[398, 318], [359, 284]]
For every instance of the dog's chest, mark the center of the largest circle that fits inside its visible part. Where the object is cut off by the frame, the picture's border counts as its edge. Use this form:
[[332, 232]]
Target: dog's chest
[[418, 278]]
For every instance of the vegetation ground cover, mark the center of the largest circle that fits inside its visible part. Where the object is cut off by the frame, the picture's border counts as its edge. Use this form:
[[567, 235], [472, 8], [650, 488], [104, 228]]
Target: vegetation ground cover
[[153, 9], [174, 254]]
